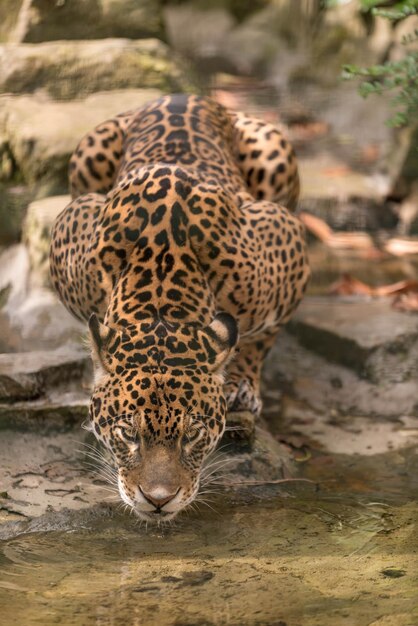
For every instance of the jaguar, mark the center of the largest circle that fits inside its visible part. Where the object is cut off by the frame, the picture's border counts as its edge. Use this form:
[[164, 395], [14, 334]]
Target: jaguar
[[181, 250]]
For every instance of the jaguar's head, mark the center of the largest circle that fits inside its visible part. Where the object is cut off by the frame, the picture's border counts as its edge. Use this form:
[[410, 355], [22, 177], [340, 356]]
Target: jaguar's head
[[158, 407]]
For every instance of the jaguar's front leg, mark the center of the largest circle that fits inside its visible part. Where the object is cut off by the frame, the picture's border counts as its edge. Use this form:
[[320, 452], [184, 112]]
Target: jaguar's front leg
[[242, 382]]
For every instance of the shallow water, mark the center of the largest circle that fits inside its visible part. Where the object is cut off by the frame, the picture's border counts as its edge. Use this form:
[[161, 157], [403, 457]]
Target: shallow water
[[294, 555]]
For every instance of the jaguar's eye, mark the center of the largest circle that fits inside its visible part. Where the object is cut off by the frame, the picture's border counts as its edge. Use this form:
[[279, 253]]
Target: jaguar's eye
[[127, 434], [192, 436]]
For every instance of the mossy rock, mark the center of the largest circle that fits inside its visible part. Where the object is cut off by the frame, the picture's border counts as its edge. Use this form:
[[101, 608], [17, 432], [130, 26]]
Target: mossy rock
[[35, 21], [13, 202], [9, 13], [41, 133], [66, 70], [40, 218]]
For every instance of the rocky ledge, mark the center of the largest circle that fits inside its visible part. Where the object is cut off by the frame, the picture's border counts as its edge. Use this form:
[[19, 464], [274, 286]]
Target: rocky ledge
[[75, 69], [361, 333], [38, 134]]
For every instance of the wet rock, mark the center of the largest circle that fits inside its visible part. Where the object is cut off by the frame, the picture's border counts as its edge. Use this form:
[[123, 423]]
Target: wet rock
[[46, 473], [42, 133], [42, 20], [27, 374], [365, 335], [45, 470], [66, 70], [261, 460], [40, 218]]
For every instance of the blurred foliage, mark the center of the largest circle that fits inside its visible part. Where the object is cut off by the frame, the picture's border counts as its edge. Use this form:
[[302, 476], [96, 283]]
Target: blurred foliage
[[391, 10], [399, 77]]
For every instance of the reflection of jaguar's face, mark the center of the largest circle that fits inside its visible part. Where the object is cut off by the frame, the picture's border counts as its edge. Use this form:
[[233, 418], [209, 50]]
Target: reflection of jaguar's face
[[160, 422]]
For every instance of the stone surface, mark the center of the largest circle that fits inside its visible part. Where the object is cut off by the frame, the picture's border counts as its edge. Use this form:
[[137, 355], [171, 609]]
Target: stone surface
[[31, 316], [42, 134], [14, 199], [60, 408], [51, 473], [66, 70], [364, 334], [40, 218], [38, 322], [43, 20], [27, 374], [315, 388], [9, 12]]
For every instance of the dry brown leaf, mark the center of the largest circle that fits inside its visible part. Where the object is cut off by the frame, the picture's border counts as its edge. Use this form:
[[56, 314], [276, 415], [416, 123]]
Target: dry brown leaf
[[337, 171], [339, 241], [406, 291], [400, 246], [401, 287], [316, 226], [351, 241], [349, 286], [370, 153], [308, 131], [406, 302]]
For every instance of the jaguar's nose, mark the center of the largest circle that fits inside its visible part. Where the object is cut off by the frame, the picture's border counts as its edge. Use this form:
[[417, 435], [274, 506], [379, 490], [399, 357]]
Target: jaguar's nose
[[159, 496]]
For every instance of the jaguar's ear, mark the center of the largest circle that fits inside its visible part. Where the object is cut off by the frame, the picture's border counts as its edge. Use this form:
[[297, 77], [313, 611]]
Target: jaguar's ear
[[101, 338], [223, 332]]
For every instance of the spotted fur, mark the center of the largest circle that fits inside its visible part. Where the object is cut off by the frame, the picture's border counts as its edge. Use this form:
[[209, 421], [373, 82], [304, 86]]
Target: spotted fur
[[178, 250]]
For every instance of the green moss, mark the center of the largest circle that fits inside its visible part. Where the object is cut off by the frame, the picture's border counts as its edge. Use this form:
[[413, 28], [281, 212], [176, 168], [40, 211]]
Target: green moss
[[9, 10]]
